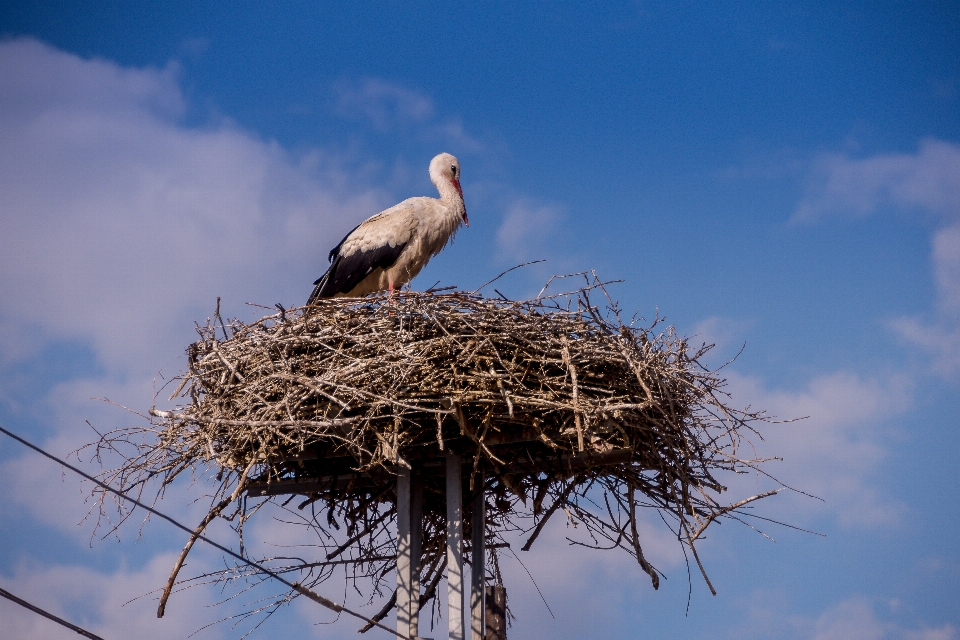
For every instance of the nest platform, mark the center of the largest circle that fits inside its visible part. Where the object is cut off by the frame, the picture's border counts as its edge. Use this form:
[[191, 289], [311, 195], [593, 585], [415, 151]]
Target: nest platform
[[551, 404]]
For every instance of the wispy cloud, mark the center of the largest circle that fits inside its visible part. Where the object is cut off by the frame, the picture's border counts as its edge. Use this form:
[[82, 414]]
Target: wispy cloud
[[938, 333], [939, 341], [855, 618], [383, 104], [120, 226], [604, 583], [836, 451], [390, 107], [832, 433], [946, 261], [526, 230], [101, 602], [928, 180]]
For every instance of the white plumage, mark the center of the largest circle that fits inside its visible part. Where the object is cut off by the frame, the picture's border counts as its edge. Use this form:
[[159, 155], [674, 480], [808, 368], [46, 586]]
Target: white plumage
[[389, 249]]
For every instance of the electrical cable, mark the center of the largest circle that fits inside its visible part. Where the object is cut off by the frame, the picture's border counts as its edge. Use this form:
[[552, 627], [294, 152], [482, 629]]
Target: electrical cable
[[46, 614]]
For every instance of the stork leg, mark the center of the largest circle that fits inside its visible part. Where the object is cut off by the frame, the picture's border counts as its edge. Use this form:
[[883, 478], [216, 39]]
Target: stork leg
[[390, 299]]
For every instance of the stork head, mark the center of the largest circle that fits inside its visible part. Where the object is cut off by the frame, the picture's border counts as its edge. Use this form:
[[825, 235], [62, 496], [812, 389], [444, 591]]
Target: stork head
[[445, 170]]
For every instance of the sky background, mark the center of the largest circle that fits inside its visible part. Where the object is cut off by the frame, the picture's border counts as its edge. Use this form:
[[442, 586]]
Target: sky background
[[781, 175]]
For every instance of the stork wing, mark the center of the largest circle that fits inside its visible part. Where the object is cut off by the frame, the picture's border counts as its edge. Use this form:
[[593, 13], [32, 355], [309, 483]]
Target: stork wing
[[376, 243]]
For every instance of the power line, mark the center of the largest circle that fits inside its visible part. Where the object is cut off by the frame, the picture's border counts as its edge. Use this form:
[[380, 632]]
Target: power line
[[46, 614], [296, 586]]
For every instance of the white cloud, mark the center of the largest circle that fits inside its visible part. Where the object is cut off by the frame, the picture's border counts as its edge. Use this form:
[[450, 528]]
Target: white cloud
[[946, 632], [928, 180], [101, 603], [389, 107], [940, 343], [605, 585], [726, 334], [384, 104], [525, 230], [938, 333], [120, 226], [40, 82], [855, 618], [850, 620], [837, 452], [946, 259], [60, 499]]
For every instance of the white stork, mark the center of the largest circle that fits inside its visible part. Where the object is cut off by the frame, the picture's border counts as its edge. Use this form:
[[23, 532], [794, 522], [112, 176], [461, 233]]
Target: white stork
[[389, 249]]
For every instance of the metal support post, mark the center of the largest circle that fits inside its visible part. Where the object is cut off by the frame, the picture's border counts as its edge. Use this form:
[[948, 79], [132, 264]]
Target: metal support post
[[404, 587], [478, 562], [416, 539], [496, 606], [454, 548]]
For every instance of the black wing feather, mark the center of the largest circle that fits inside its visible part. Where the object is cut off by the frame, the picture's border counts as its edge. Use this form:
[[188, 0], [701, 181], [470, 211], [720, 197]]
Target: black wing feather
[[336, 249], [346, 272]]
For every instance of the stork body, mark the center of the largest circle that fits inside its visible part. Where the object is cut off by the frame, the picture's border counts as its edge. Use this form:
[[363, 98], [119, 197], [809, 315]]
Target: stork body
[[389, 249]]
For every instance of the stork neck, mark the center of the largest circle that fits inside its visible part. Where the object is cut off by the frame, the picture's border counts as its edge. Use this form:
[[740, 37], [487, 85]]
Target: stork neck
[[450, 197]]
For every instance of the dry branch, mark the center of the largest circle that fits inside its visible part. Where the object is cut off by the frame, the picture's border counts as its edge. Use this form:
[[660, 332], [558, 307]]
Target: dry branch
[[555, 400]]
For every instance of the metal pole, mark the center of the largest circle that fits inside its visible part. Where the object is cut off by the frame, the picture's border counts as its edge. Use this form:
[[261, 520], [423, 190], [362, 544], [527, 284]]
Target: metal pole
[[403, 554], [496, 607], [416, 539], [454, 548], [478, 568]]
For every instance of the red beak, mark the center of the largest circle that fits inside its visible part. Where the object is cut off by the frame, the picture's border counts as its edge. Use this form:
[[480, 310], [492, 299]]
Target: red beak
[[456, 185]]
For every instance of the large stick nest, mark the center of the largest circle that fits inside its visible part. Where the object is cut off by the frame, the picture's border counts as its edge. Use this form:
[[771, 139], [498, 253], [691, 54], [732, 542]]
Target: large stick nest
[[554, 403]]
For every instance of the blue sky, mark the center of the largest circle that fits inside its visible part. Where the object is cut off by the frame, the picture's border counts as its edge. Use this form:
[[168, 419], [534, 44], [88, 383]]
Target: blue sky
[[785, 175]]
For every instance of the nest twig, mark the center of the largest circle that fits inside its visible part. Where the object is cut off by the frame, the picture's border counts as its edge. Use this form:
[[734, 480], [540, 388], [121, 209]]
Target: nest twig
[[554, 403]]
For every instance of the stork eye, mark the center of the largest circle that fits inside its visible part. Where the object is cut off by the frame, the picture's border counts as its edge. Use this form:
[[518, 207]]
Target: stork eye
[[453, 168]]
